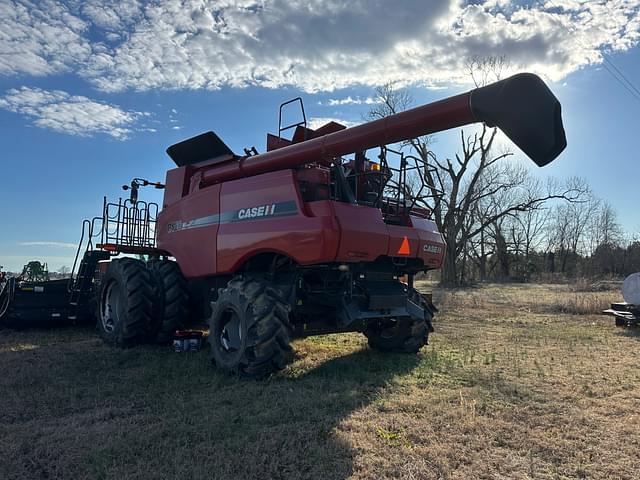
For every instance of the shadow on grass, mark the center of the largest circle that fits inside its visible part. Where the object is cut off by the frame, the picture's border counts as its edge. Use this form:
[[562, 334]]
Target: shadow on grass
[[631, 332], [75, 409]]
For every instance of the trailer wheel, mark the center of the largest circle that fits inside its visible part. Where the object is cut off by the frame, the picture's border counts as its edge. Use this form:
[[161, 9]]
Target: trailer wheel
[[402, 335], [125, 303], [249, 328], [172, 305]]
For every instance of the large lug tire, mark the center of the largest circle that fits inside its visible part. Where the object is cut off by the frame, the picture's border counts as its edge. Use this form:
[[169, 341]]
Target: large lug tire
[[402, 334], [406, 334], [125, 306], [172, 301], [249, 328]]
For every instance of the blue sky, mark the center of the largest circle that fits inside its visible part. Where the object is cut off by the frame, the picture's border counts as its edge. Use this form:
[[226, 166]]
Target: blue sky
[[91, 94]]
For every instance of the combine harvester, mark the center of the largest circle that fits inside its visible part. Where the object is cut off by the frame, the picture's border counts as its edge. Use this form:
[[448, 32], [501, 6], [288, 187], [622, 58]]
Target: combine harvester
[[310, 237]]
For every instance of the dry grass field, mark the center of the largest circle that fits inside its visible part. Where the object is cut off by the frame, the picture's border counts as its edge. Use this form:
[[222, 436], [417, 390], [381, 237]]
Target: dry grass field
[[518, 382]]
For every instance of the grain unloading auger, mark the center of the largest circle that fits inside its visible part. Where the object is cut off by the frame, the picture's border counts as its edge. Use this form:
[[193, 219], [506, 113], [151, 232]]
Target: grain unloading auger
[[521, 106], [310, 237]]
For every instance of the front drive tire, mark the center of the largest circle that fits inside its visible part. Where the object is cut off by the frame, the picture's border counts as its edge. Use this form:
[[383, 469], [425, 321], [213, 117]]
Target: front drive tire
[[125, 306], [249, 328]]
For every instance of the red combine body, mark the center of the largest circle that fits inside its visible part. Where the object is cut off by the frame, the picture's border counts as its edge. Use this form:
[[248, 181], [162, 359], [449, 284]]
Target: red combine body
[[272, 214], [319, 234]]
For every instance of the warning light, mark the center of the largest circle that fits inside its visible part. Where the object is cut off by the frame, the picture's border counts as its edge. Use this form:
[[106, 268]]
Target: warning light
[[404, 247], [375, 167]]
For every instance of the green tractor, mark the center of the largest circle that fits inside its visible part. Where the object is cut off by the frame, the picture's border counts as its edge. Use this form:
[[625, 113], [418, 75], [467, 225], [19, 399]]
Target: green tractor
[[35, 271]]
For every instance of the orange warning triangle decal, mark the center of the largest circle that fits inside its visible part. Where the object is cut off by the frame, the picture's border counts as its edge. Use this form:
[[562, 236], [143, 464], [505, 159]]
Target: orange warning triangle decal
[[404, 248]]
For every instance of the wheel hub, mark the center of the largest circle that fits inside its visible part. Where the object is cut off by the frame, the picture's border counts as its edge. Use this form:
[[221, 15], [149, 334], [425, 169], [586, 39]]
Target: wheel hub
[[231, 332], [109, 307]]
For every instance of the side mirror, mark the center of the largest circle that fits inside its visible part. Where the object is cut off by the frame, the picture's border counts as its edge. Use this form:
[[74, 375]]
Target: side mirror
[[133, 196]]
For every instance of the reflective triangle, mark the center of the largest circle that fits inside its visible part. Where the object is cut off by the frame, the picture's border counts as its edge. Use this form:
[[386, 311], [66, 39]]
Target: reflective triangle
[[404, 248]]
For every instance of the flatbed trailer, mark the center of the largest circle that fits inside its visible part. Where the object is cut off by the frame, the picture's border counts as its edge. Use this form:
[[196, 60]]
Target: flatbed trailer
[[25, 304], [625, 314], [35, 301]]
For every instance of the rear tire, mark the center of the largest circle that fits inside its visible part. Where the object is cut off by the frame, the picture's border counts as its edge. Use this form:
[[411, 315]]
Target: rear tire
[[173, 300], [402, 335], [125, 305], [249, 328]]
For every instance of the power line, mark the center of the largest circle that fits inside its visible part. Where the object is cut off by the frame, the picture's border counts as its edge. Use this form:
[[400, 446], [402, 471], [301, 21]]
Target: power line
[[631, 87], [606, 57], [607, 63]]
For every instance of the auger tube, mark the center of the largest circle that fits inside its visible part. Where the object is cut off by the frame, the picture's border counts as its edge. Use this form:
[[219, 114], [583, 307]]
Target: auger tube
[[522, 106]]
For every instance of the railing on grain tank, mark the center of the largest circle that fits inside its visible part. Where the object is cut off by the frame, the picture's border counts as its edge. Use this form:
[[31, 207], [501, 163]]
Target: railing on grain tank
[[397, 190], [124, 227], [409, 188], [129, 224]]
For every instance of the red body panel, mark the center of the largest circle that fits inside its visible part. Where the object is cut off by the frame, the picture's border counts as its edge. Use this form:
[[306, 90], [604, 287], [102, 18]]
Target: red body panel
[[364, 236], [214, 230], [305, 238], [194, 246], [432, 247]]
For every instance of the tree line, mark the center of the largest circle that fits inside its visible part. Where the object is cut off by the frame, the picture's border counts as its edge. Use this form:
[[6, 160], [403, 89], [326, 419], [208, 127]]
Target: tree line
[[555, 240]]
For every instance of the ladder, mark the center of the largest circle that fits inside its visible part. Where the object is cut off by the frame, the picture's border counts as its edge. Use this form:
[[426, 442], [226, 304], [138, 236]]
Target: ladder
[[81, 285], [83, 282]]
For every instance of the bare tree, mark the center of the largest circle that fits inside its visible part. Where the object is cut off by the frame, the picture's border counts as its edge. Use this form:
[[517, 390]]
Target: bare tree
[[531, 225], [605, 228], [486, 69]]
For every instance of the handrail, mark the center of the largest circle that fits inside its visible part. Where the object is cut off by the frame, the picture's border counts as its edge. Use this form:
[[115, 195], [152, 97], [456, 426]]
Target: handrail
[[88, 228], [6, 290], [123, 223], [85, 223], [130, 224]]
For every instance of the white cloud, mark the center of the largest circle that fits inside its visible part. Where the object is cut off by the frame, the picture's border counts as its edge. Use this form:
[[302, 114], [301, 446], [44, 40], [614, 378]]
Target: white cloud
[[41, 38], [49, 244], [334, 102], [112, 16], [71, 114], [314, 45], [317, 122]]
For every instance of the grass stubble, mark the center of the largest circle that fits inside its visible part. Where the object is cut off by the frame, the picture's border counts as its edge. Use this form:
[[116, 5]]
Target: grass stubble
[[519, 381]]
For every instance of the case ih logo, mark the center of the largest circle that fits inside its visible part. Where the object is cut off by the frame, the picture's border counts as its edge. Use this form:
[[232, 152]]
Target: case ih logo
[[254, 212], [174, 227], [434, 249], [281, 209]]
